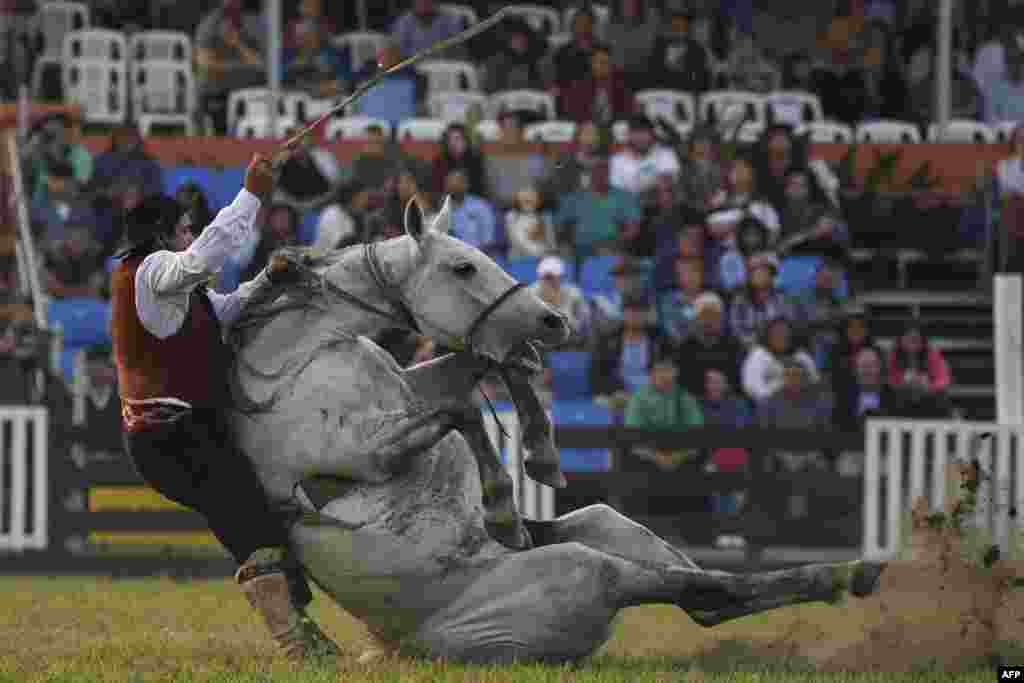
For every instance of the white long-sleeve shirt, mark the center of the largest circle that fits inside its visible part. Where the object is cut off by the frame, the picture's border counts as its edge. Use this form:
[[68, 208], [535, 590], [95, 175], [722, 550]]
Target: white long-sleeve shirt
[[166, 279]]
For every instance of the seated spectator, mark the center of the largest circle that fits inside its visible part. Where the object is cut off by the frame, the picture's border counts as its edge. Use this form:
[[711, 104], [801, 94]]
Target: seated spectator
[[74, 267], [621, 358], [739, 237], [102, 407], [57, 140], [887, 87], [760, 301], [748, 69], [966, 99], [990, 58], [686, 238], [280, 227], [678, 61], [597, 216], [677, 312], [311, 16], [530, 231], [473, 218], [854, 335], [777, 152], [309, 177], [723, 408], [565, 298], [710, 347], [516, 66], [396, 97], [515, 165], [375, 168], [637, 167], [25, 375], [423, 26], [336, 228], [315, 65], [126, 158], [457, 152], [763, 367], [820, 310], [599, 94], [571, 173], [631, 33], [797, 69], [796, 404], [663, 405], [1004, 90], [572, 59], [810, 225], [868, 395], [607, 307], [741, 192], [921, 370], [701, 176], [229, 56], [60, 205]]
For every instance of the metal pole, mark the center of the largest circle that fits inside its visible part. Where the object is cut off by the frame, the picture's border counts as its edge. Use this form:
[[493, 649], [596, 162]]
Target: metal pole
[[24, 229], [273, 8], [944, 65]]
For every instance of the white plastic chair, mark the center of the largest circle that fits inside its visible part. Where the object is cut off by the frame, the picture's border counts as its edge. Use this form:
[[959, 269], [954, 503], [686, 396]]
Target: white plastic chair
[[551, 131], [455, 106], [515, 100], [450, 75], [963, 131], [363, 46], [751, 132], [421, 130], [464, 12], [255, 103], [793, 107], [489, 130], [163, 92], [827, 132], [888, 132], [54, 20], [259, 127], [674, 105], [556, 41], [354, 127], [297, 105], [99, 87], [1004, 129], [164, 46], [714, 104], [95, 44], [620, 132], [543, 20]]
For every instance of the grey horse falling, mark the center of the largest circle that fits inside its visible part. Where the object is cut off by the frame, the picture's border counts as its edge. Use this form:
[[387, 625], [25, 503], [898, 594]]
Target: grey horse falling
[[387, 464]]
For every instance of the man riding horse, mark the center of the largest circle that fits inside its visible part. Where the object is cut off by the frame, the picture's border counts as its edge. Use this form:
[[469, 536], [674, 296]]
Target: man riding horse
[[167, 329]]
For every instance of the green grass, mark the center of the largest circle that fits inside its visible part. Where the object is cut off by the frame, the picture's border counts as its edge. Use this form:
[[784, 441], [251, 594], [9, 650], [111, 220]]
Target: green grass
[[91, 630]]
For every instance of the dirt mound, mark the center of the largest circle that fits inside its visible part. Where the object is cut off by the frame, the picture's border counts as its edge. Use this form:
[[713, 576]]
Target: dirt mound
[[934, 607]]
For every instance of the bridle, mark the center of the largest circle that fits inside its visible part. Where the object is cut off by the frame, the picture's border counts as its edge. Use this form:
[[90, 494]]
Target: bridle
[[401, 315]]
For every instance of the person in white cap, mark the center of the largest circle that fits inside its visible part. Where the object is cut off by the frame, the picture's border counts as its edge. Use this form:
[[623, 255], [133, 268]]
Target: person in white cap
[[760, 301], [566, 298]]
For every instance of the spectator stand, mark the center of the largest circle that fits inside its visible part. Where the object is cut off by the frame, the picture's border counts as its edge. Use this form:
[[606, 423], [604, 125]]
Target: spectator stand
[[54, 21]]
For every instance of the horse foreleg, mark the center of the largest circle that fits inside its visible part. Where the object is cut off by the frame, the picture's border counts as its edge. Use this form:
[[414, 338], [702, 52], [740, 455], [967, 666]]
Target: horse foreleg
[[453, 377], [542, 464]]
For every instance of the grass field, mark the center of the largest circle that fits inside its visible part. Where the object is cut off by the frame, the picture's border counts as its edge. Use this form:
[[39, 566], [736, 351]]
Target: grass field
[[79, 630]]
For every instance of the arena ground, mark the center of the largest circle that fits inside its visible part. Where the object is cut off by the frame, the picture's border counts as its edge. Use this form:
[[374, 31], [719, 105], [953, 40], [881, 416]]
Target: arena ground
[[86, 629]]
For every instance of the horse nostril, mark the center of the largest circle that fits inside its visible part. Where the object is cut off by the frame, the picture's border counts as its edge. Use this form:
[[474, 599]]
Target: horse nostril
[[552, 320]]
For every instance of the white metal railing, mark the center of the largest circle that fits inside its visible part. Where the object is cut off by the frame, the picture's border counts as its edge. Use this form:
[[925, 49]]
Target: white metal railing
[[907, 460], [25, 230], [535, 501], [24, 494]]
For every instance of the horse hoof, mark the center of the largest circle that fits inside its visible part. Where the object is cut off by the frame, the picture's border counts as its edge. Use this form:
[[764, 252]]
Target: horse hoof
[[865, 577], [545, 472]]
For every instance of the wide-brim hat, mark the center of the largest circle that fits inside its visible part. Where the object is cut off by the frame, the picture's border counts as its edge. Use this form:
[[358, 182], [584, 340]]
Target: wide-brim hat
[[157, 216]]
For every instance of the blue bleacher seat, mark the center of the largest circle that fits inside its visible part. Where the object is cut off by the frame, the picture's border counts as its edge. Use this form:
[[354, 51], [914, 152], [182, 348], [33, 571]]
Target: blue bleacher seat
[[569, 374], [596, 276], [523, 269], [224, 185], [796, 275], [308, 227], [85, 321], [582, 413]]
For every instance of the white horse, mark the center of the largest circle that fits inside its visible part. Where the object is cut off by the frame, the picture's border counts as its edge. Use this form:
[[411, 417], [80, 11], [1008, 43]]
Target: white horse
[[394, 525]]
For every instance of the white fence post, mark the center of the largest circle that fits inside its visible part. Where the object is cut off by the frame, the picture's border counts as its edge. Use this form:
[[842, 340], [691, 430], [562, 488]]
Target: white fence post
[[534, 500], [24, 421], [930, 442], [1006, 308]]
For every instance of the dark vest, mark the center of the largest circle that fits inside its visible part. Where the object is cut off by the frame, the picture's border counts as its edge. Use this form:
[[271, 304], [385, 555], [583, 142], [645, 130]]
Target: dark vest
[[190, 365]]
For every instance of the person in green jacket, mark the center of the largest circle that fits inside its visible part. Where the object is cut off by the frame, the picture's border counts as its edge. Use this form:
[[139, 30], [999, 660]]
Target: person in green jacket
[[664, 405]]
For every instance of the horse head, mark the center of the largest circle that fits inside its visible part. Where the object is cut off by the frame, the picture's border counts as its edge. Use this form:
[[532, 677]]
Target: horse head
[[454, 293]]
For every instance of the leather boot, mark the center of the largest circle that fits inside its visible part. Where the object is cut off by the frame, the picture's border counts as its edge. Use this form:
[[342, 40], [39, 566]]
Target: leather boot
[[265, 583]]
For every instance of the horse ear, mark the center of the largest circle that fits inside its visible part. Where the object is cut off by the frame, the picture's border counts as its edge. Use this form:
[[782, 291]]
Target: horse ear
[[443, 220], [414, 222]]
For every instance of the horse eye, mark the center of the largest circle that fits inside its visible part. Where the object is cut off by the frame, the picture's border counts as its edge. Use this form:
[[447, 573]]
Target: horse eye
[[465, 270]]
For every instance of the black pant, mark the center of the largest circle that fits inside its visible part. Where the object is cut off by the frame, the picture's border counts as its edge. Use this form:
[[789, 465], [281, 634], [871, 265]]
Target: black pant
[[194, 462]]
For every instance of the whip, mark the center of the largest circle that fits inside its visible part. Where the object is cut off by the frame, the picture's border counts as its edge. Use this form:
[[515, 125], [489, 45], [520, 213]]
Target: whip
[[361, 90]]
